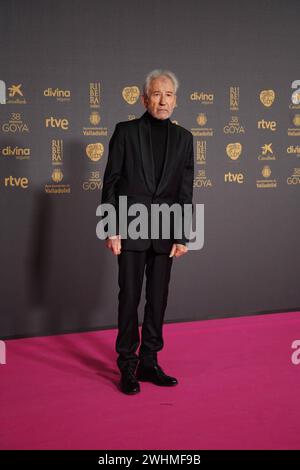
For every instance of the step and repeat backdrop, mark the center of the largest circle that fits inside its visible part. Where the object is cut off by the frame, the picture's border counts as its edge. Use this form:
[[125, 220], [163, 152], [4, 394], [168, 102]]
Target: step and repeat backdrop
[[69, 71]]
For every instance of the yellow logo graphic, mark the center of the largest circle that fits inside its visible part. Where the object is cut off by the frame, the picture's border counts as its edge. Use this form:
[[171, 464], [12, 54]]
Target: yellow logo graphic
[[296, 120], [201, 119], [131, 94], [15, 90], [267, 97], [266, 171], [57, 175], [267, 152], [95, 118], [267, 148], [234, 150], [95, 151]]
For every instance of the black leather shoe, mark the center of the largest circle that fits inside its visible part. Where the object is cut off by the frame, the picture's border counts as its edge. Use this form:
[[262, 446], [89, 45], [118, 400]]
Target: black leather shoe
[[156, 375], [128, 383]]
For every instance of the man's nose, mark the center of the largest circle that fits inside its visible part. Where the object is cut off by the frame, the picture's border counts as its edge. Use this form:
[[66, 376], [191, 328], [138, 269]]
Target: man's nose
[[162, 99]]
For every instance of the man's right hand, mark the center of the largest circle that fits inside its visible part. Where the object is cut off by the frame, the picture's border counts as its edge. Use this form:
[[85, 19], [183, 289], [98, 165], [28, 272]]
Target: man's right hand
[[113, 243]]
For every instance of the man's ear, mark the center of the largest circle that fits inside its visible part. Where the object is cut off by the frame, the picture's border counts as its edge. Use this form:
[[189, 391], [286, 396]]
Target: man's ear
[[144, 100]]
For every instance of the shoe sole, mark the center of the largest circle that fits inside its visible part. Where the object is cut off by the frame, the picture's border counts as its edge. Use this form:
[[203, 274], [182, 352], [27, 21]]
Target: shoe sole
[[155, 383], [128, 393]]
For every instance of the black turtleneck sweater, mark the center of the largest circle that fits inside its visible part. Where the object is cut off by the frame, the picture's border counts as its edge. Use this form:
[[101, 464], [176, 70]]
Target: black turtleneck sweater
[[159, 133]]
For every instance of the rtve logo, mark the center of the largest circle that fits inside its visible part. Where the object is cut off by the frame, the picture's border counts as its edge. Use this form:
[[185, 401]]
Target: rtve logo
[[20, 182], [233, 177], [262, 124], [61, 123]]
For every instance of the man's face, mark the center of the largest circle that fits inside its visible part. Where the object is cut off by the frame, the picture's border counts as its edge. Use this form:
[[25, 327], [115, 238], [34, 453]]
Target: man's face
[[161, 99]]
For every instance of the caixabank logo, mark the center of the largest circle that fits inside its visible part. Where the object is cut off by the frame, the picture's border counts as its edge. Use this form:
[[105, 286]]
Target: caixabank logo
[[12, 94]]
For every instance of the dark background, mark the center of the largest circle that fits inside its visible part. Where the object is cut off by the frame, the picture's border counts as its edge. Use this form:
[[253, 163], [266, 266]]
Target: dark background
[[56, 276]]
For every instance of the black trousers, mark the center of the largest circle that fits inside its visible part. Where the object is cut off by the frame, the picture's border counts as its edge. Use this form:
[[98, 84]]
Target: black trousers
[[132, 265]]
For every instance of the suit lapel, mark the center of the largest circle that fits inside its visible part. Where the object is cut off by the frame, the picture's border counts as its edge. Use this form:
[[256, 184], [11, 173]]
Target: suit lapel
[[147, 153]]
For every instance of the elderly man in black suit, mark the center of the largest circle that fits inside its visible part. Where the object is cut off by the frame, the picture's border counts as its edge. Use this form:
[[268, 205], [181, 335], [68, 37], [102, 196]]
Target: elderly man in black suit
[[151, 161]]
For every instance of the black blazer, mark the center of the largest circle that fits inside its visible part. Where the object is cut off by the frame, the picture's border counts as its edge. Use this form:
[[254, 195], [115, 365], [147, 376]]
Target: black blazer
[[130, 171]]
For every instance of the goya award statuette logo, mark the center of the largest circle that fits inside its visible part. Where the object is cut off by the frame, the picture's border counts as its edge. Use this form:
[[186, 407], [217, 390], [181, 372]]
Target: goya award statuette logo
[[94, 151], [131, 94], [267, 97], [234, 150]]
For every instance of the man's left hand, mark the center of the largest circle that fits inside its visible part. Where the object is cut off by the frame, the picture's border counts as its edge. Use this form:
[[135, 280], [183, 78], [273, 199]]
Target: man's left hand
[[178, 250]]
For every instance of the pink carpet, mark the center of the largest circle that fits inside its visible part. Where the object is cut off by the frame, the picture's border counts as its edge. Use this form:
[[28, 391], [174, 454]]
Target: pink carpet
[[238, 389]]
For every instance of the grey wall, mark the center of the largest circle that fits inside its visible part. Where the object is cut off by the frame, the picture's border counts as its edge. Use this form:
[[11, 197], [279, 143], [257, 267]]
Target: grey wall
[[56, 275]]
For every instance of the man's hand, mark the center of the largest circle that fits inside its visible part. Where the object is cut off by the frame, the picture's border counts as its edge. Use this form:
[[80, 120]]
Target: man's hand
[[113, 243], [178, 250]]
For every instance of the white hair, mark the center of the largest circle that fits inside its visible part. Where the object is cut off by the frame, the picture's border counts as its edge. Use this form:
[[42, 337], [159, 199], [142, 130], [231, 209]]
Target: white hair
[[159, 73]]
